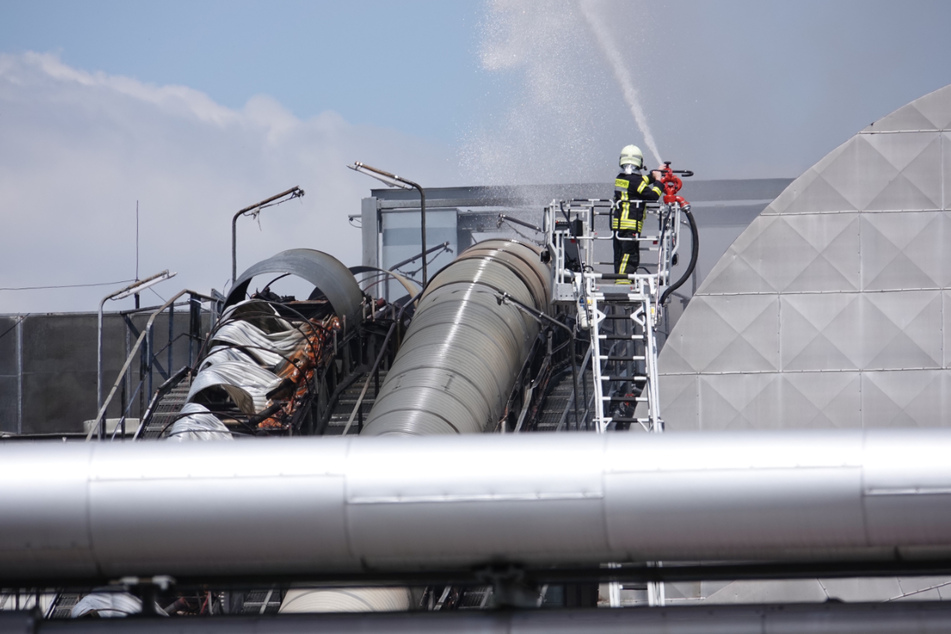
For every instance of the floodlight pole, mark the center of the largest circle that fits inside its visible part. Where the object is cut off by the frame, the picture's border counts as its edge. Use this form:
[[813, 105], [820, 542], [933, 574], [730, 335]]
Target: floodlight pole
[[131, 289], [398, 181], [256, 208]]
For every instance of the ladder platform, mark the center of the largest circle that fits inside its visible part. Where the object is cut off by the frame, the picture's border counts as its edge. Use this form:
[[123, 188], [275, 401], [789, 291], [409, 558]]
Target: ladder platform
[[617, 276], [613, 292], [622, 419], [643, 265]]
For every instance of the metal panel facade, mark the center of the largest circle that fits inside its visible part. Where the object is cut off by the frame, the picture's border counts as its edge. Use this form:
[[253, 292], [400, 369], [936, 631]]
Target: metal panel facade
[[833, 309]]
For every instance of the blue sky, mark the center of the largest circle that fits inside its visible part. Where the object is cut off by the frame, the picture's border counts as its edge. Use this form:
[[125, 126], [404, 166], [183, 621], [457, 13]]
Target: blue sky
[[193, 110], [380, 62]]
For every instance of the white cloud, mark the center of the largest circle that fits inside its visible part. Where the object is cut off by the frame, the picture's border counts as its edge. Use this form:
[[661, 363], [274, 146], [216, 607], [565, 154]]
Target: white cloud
[[559, 101], [78, 149]]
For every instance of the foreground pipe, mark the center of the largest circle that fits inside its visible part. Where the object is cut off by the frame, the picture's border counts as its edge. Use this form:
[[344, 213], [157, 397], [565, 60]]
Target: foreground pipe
[[461, 355], [319, 506], [827, 618]]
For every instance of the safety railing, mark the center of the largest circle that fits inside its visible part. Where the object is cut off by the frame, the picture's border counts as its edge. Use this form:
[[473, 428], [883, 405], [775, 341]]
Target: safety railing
[[143, 348], [374, 372]]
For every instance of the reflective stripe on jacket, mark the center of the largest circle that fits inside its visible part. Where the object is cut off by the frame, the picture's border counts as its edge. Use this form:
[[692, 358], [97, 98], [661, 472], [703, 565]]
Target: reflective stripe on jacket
[[630, 192]]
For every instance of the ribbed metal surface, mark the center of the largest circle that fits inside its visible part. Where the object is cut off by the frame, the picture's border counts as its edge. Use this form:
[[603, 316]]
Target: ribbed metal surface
[[833, 308], [365, 504], [459, 360]]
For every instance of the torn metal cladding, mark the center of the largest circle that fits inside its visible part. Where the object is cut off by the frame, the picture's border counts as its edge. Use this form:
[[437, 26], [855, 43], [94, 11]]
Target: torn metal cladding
[[331, 279], [296, 372], [261, 358], [265, 363], [463, 351], [385, 504]]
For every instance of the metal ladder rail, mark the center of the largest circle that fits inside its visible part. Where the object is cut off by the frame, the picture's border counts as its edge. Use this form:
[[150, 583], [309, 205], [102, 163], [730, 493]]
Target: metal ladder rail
[[595, 318], [649, 394], [598, 304], [635, 359]]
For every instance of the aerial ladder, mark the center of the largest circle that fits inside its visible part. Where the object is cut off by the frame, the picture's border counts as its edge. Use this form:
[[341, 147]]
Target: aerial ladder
[[620, 312]]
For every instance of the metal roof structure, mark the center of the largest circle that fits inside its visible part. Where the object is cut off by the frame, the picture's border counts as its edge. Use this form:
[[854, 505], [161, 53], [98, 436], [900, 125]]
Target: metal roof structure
[[832, 309]]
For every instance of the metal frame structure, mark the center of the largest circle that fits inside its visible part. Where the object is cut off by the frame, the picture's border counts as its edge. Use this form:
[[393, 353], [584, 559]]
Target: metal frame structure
[[599, 297], [143, 349]]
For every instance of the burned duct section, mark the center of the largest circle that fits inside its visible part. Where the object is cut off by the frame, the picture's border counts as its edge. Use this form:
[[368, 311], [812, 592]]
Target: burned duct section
[[258, 372], [465, 348]]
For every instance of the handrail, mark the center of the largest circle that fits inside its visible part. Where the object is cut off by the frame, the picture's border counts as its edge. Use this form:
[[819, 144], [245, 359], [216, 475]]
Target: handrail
[[100, 426], [366, 384], [163, 389], [376, 363]]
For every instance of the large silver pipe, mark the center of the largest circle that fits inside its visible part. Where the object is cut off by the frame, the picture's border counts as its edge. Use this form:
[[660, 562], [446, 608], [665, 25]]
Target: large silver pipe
[[458, 363], [335, 505], [827, 618]]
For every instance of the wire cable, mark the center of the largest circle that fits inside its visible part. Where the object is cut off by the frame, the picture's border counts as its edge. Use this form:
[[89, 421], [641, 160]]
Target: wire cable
[[44, 288]]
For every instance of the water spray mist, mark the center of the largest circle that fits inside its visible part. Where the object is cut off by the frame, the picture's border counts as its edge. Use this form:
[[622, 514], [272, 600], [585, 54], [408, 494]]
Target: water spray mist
[[621, 74]]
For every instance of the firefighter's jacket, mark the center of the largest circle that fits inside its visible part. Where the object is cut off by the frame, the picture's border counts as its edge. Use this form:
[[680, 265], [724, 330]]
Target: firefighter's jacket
[[630, 192]]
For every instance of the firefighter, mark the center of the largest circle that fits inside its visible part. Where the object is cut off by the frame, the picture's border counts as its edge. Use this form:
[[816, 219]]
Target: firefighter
[[631, 190]]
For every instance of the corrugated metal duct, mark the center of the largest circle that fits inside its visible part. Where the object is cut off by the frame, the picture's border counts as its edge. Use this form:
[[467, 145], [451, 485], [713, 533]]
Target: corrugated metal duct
[[354, 504], [462, 353], [830, 618], [453, 372]]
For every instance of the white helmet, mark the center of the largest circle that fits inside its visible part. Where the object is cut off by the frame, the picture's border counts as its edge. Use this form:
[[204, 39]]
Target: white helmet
[[631, 155]]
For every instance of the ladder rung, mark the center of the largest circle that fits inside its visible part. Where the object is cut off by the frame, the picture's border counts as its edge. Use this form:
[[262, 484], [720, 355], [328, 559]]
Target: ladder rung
[[622, 337], [624, 399], [642, 421], [638, 301], [621, 379], [620, 358]]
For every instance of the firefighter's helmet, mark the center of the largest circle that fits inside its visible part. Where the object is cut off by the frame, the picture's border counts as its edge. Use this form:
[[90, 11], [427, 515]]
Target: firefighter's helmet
[[631, 155]]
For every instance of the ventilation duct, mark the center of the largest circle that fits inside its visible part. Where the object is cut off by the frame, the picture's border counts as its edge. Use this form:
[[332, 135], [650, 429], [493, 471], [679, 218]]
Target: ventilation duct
[[458, 363], [453, 373]]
